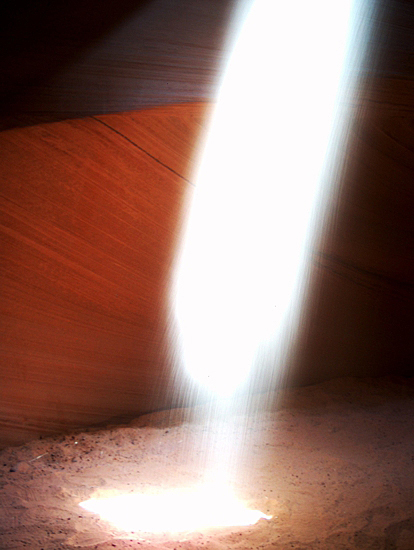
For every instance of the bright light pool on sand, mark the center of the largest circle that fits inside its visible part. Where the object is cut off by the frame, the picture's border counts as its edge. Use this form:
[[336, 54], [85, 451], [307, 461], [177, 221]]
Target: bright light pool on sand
[[175, 511]]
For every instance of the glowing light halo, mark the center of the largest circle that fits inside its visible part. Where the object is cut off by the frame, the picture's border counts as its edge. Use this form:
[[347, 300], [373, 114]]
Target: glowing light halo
[[175, 511], [259, 186], [260, 176]]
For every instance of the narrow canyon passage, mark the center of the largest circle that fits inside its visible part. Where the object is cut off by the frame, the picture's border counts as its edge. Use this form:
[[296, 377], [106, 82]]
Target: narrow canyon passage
[[94, 185]]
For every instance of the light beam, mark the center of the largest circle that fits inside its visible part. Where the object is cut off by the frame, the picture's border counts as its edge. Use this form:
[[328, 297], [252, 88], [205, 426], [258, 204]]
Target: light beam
[[264, 181], [261, 186]]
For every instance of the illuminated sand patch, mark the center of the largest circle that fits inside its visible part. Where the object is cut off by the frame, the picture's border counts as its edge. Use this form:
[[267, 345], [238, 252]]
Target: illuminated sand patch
[[331, 456], [174, 511]]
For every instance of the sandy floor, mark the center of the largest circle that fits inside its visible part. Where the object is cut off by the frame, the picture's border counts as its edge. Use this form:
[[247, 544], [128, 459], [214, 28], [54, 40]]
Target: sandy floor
[[333, 464]]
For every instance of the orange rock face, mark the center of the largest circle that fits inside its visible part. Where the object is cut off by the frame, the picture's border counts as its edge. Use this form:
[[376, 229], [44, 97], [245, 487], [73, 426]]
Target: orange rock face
[[90, 211], [90, 214]]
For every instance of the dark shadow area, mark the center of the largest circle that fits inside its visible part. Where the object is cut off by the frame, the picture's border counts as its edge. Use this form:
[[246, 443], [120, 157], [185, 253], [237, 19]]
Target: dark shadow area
[[358, 318], [40, 38], [67, 60], [392, 44]]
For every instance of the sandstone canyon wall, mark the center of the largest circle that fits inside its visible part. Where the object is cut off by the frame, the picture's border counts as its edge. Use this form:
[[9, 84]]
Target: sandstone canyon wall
[[91, 205]]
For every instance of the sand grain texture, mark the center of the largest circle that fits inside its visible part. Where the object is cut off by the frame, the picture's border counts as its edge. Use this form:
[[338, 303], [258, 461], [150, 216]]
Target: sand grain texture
[[333, 463]]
